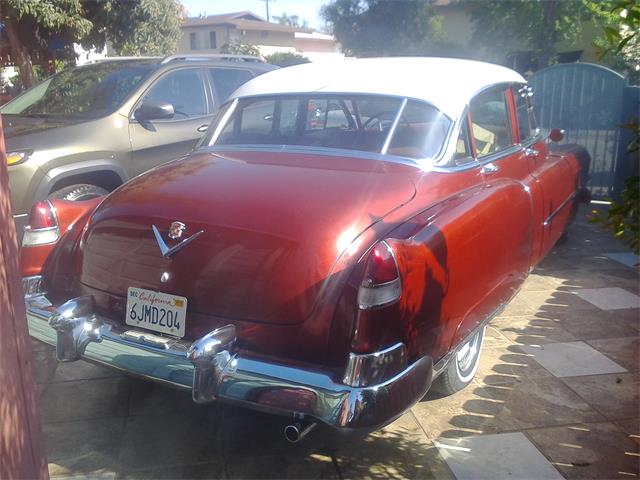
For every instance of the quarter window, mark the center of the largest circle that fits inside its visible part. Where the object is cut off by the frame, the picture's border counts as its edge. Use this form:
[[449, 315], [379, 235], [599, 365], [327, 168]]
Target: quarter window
[[490, 122], [182, 89]]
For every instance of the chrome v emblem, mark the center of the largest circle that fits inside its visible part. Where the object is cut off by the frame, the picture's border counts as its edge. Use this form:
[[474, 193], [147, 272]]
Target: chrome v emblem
[[164, 248]]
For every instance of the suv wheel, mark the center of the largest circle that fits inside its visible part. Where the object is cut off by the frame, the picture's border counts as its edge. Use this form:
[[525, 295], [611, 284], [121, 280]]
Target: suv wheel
[[78, 192]]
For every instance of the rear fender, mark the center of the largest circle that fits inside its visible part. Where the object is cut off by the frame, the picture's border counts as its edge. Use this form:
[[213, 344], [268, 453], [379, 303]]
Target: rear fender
[[69, 214], [468, 259]]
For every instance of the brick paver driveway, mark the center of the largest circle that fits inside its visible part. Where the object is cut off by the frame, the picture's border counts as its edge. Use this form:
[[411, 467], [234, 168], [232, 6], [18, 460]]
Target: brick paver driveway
[[556, 396]]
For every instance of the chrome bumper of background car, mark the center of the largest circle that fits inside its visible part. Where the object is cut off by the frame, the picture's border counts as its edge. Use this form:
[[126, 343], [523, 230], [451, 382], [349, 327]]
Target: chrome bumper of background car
[[212, 369]]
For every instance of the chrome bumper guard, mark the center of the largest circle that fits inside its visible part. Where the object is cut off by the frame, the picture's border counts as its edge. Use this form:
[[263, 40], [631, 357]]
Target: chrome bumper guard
[[213, 370]]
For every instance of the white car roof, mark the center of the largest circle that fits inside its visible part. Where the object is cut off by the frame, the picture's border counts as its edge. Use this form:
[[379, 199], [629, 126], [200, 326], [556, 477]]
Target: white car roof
[[447, 83]]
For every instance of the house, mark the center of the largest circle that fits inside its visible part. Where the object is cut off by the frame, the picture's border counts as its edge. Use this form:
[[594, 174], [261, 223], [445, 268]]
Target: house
[[208, 34]]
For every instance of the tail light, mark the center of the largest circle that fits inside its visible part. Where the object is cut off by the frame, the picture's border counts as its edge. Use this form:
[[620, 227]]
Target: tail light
[[43, 228], [381, 284]]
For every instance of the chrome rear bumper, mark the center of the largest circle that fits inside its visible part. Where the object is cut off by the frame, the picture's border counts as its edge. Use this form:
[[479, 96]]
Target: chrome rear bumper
[[212, 368]]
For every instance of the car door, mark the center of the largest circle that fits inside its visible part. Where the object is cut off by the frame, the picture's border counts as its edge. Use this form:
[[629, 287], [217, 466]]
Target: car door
[[552, 172], [502, 238], [159, 141]]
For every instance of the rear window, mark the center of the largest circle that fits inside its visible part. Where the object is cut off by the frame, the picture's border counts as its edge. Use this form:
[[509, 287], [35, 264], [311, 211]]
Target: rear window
[[365, 123]]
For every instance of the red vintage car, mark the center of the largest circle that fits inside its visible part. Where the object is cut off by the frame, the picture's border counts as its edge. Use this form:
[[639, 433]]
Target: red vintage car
[[334, 248]]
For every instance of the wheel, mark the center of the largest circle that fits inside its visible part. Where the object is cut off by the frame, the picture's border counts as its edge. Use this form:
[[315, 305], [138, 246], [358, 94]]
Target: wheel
[[78, 192], [462, 367]]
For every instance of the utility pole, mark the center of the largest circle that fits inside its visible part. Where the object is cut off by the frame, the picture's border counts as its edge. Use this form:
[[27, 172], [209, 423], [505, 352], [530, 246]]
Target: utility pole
[[267, 5]]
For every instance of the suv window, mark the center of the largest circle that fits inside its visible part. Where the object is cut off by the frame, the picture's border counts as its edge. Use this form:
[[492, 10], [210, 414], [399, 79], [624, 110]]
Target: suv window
[[226, 80], [183, 89], [526, 119], [89, 91], [490, 122]]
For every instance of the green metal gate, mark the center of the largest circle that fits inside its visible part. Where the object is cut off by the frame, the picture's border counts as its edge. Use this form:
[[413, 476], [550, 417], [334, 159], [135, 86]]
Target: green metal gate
[[587, 101]]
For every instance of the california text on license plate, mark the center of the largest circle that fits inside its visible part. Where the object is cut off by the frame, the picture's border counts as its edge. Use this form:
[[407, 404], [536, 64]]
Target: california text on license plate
[[160, 312]]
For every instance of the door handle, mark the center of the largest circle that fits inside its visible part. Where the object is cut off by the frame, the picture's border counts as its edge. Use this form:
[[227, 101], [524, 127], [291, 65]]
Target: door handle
[[531, 152], [202, 128], [490, 168]]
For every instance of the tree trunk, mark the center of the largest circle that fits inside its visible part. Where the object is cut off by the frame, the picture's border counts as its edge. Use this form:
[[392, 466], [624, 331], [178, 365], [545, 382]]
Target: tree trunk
[[20, 54], [21, 446]]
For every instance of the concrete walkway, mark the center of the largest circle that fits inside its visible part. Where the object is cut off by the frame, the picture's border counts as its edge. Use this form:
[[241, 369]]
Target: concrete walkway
[[556, 396]]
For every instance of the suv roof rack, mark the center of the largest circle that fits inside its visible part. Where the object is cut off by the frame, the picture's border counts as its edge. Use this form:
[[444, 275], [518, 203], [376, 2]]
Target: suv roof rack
[[110, 59], [209, 56]]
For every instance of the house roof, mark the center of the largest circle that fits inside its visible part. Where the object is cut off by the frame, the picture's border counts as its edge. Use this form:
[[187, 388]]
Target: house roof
[[242, 20], [447, 83]]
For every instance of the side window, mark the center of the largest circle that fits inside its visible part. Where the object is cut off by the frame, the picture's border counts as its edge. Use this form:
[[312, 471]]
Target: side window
[[490, 122], [184, 90], [526, 119], [226, 80]]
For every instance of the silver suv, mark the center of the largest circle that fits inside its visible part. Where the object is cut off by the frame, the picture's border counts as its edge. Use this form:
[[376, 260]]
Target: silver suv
[[86, 130]]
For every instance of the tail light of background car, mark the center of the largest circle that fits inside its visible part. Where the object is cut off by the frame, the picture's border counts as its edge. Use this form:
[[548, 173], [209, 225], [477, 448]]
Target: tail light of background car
[[43, 228]]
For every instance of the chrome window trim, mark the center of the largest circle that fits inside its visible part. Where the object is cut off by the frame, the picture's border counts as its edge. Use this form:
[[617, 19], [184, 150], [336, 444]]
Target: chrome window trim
[[392, 130], [324, 151]]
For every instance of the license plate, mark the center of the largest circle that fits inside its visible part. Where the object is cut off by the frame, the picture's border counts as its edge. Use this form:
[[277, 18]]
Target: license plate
[[160, 312]]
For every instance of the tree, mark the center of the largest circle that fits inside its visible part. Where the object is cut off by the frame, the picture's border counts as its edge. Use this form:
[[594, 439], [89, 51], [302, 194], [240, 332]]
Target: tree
[[384, 27], [131, 27], [235, 48], [501, 26], [286, 59], [141, 27], [292, 21], [32, 25]]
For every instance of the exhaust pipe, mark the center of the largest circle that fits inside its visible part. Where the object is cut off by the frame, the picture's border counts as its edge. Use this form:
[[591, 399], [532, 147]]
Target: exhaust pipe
[[297, 431]]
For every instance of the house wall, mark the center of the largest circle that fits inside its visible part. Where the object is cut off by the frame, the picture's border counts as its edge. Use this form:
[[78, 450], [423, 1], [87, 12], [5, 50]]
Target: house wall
[[226, 34], [202, 33]]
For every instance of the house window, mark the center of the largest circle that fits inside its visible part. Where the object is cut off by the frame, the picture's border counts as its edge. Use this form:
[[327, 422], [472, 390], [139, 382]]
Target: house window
[[212, 40], [192, 41]]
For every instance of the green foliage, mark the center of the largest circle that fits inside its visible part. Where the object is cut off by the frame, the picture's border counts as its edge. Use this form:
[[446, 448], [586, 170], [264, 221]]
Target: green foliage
[[502, 26], [290, 20], [623, 218], [368, 28], [131, 27], [286, 59], [619, 44], [61, 15], [235, 48], [142, 27]]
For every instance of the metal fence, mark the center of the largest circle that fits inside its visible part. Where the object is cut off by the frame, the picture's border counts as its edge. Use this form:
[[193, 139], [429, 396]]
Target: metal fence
[[588, 102]]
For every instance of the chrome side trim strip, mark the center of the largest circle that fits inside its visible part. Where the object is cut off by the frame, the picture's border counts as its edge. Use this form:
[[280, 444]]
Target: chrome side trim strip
[[547, 222]]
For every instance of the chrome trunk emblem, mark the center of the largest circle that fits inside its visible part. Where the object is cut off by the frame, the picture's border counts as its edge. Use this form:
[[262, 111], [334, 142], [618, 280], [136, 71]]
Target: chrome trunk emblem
[[176, 229]]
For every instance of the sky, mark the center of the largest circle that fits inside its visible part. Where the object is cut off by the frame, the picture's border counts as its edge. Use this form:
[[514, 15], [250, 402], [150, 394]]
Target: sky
[[308, 10]]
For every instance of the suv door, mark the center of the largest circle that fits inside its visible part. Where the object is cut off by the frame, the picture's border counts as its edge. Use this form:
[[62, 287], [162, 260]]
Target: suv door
[[159, 141]]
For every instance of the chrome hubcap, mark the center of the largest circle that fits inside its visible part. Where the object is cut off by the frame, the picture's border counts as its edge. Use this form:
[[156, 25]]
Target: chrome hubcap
[[468, 353]]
